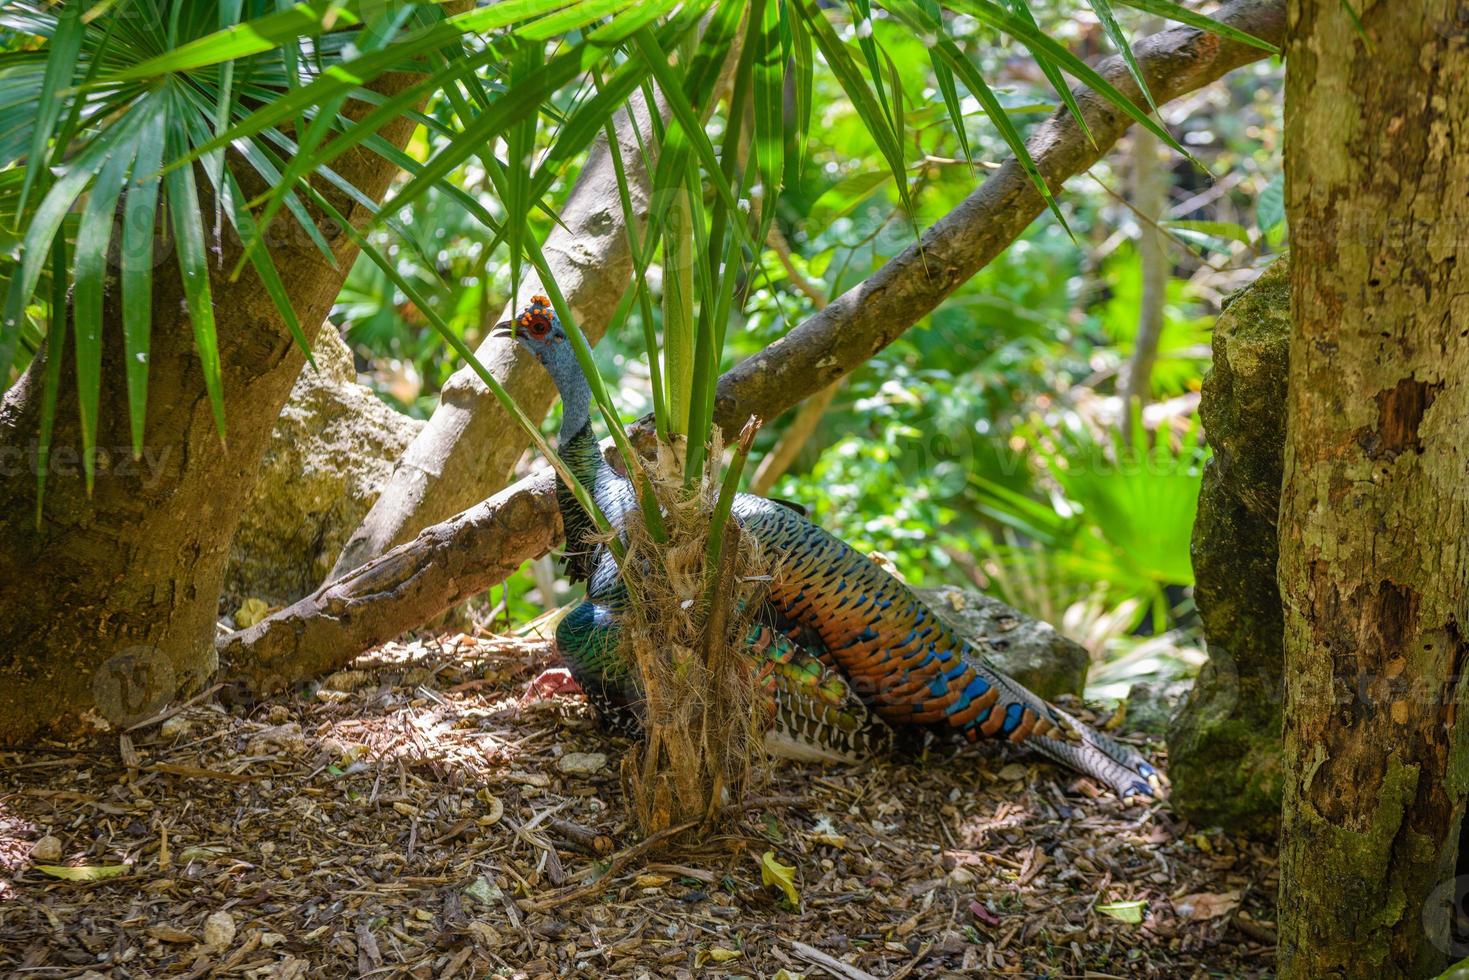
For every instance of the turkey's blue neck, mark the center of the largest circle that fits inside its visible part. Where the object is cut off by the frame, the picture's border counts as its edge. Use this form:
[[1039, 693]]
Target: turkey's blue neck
[[576, 394]]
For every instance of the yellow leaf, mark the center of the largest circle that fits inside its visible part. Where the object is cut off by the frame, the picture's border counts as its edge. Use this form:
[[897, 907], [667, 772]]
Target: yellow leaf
[[652, 881], [251, 611], [83, 872], [1129, 912], [782, 876], [721, 955]]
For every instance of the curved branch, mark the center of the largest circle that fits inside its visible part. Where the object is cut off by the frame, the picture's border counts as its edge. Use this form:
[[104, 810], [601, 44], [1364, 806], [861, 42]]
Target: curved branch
[[401, 590]]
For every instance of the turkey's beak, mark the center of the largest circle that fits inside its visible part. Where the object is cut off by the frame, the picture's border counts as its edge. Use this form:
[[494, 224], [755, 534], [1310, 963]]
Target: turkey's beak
[[505, 328]]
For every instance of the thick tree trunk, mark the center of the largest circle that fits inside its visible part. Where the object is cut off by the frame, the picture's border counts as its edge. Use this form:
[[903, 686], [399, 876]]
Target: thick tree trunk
[[1374, 569], [108, 609]]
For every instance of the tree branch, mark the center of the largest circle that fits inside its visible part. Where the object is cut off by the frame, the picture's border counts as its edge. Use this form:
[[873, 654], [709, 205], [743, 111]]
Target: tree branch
[[868, 317], [416, 581], [402, 589]]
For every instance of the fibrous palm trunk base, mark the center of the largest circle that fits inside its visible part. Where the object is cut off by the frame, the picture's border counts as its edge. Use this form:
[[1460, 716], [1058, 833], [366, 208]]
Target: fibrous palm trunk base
[[684, 631]]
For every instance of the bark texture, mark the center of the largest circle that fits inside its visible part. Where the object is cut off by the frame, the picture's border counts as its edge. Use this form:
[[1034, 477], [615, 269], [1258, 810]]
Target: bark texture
[[470, 443], [904, 290], [109, 608], [1224, 747], [1374, 567], [1151, 180]]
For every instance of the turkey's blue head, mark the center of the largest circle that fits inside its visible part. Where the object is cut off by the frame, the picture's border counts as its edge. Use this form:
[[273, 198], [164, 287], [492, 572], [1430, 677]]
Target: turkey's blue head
[[538, 329]]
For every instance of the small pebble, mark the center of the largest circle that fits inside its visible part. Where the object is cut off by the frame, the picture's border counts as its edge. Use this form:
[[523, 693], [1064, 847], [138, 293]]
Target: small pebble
[[47, 849], [219, 930]]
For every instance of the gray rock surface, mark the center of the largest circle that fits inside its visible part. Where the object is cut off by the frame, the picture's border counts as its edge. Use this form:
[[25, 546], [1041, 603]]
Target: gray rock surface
[[1152, 705], [1029, 650], [332, 450], [1224, 746]]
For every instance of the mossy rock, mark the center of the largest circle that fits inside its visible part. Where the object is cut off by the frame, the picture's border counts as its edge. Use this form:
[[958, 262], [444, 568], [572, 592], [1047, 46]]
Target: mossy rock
[[331, 451], [1225, 744]]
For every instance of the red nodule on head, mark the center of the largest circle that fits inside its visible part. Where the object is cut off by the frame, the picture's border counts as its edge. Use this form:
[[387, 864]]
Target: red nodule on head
[[535, 319]]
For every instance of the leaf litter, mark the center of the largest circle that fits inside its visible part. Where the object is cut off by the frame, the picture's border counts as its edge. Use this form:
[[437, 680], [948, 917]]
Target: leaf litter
[[410, 817]]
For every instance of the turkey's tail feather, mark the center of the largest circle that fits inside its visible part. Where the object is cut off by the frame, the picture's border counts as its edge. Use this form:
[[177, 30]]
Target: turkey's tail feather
[[1055, 734], [1094, 754]]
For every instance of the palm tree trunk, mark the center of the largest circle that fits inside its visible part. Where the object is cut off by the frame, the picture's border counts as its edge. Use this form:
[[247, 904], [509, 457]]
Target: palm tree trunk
[[108, 604], [1151, 179], [1374, 554]]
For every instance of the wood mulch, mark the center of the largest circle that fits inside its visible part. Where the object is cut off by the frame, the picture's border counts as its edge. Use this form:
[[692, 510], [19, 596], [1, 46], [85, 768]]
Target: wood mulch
[[411, 818]]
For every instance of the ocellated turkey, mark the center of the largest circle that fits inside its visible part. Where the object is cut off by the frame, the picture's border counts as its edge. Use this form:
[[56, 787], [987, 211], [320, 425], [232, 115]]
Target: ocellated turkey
[[855, 656]]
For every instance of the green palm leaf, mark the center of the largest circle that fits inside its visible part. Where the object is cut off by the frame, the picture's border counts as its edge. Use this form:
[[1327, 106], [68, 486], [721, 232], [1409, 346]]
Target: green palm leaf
[[140, 216], [89, 278], [188, 230], [61, 65]]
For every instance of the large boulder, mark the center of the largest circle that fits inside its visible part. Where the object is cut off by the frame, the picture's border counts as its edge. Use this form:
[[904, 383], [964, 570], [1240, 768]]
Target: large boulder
[[332, 450], [1224, 747], [1029, 650]]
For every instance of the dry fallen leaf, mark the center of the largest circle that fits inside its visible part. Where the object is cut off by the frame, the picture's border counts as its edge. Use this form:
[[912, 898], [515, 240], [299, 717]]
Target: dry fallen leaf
[[1129, 912], [169, 934], [201, 852], [981, 912], [219, 930], [1015, 770], [1206, 905], [47, 849], [83, 872], [494, 809], [718, 954], [251, 611]]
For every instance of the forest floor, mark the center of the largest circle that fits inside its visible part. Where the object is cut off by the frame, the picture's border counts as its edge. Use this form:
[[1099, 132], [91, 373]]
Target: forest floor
[[411, 818]]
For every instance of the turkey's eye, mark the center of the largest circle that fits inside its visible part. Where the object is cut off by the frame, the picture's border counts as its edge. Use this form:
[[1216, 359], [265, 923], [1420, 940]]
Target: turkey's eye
[[536, 323]]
